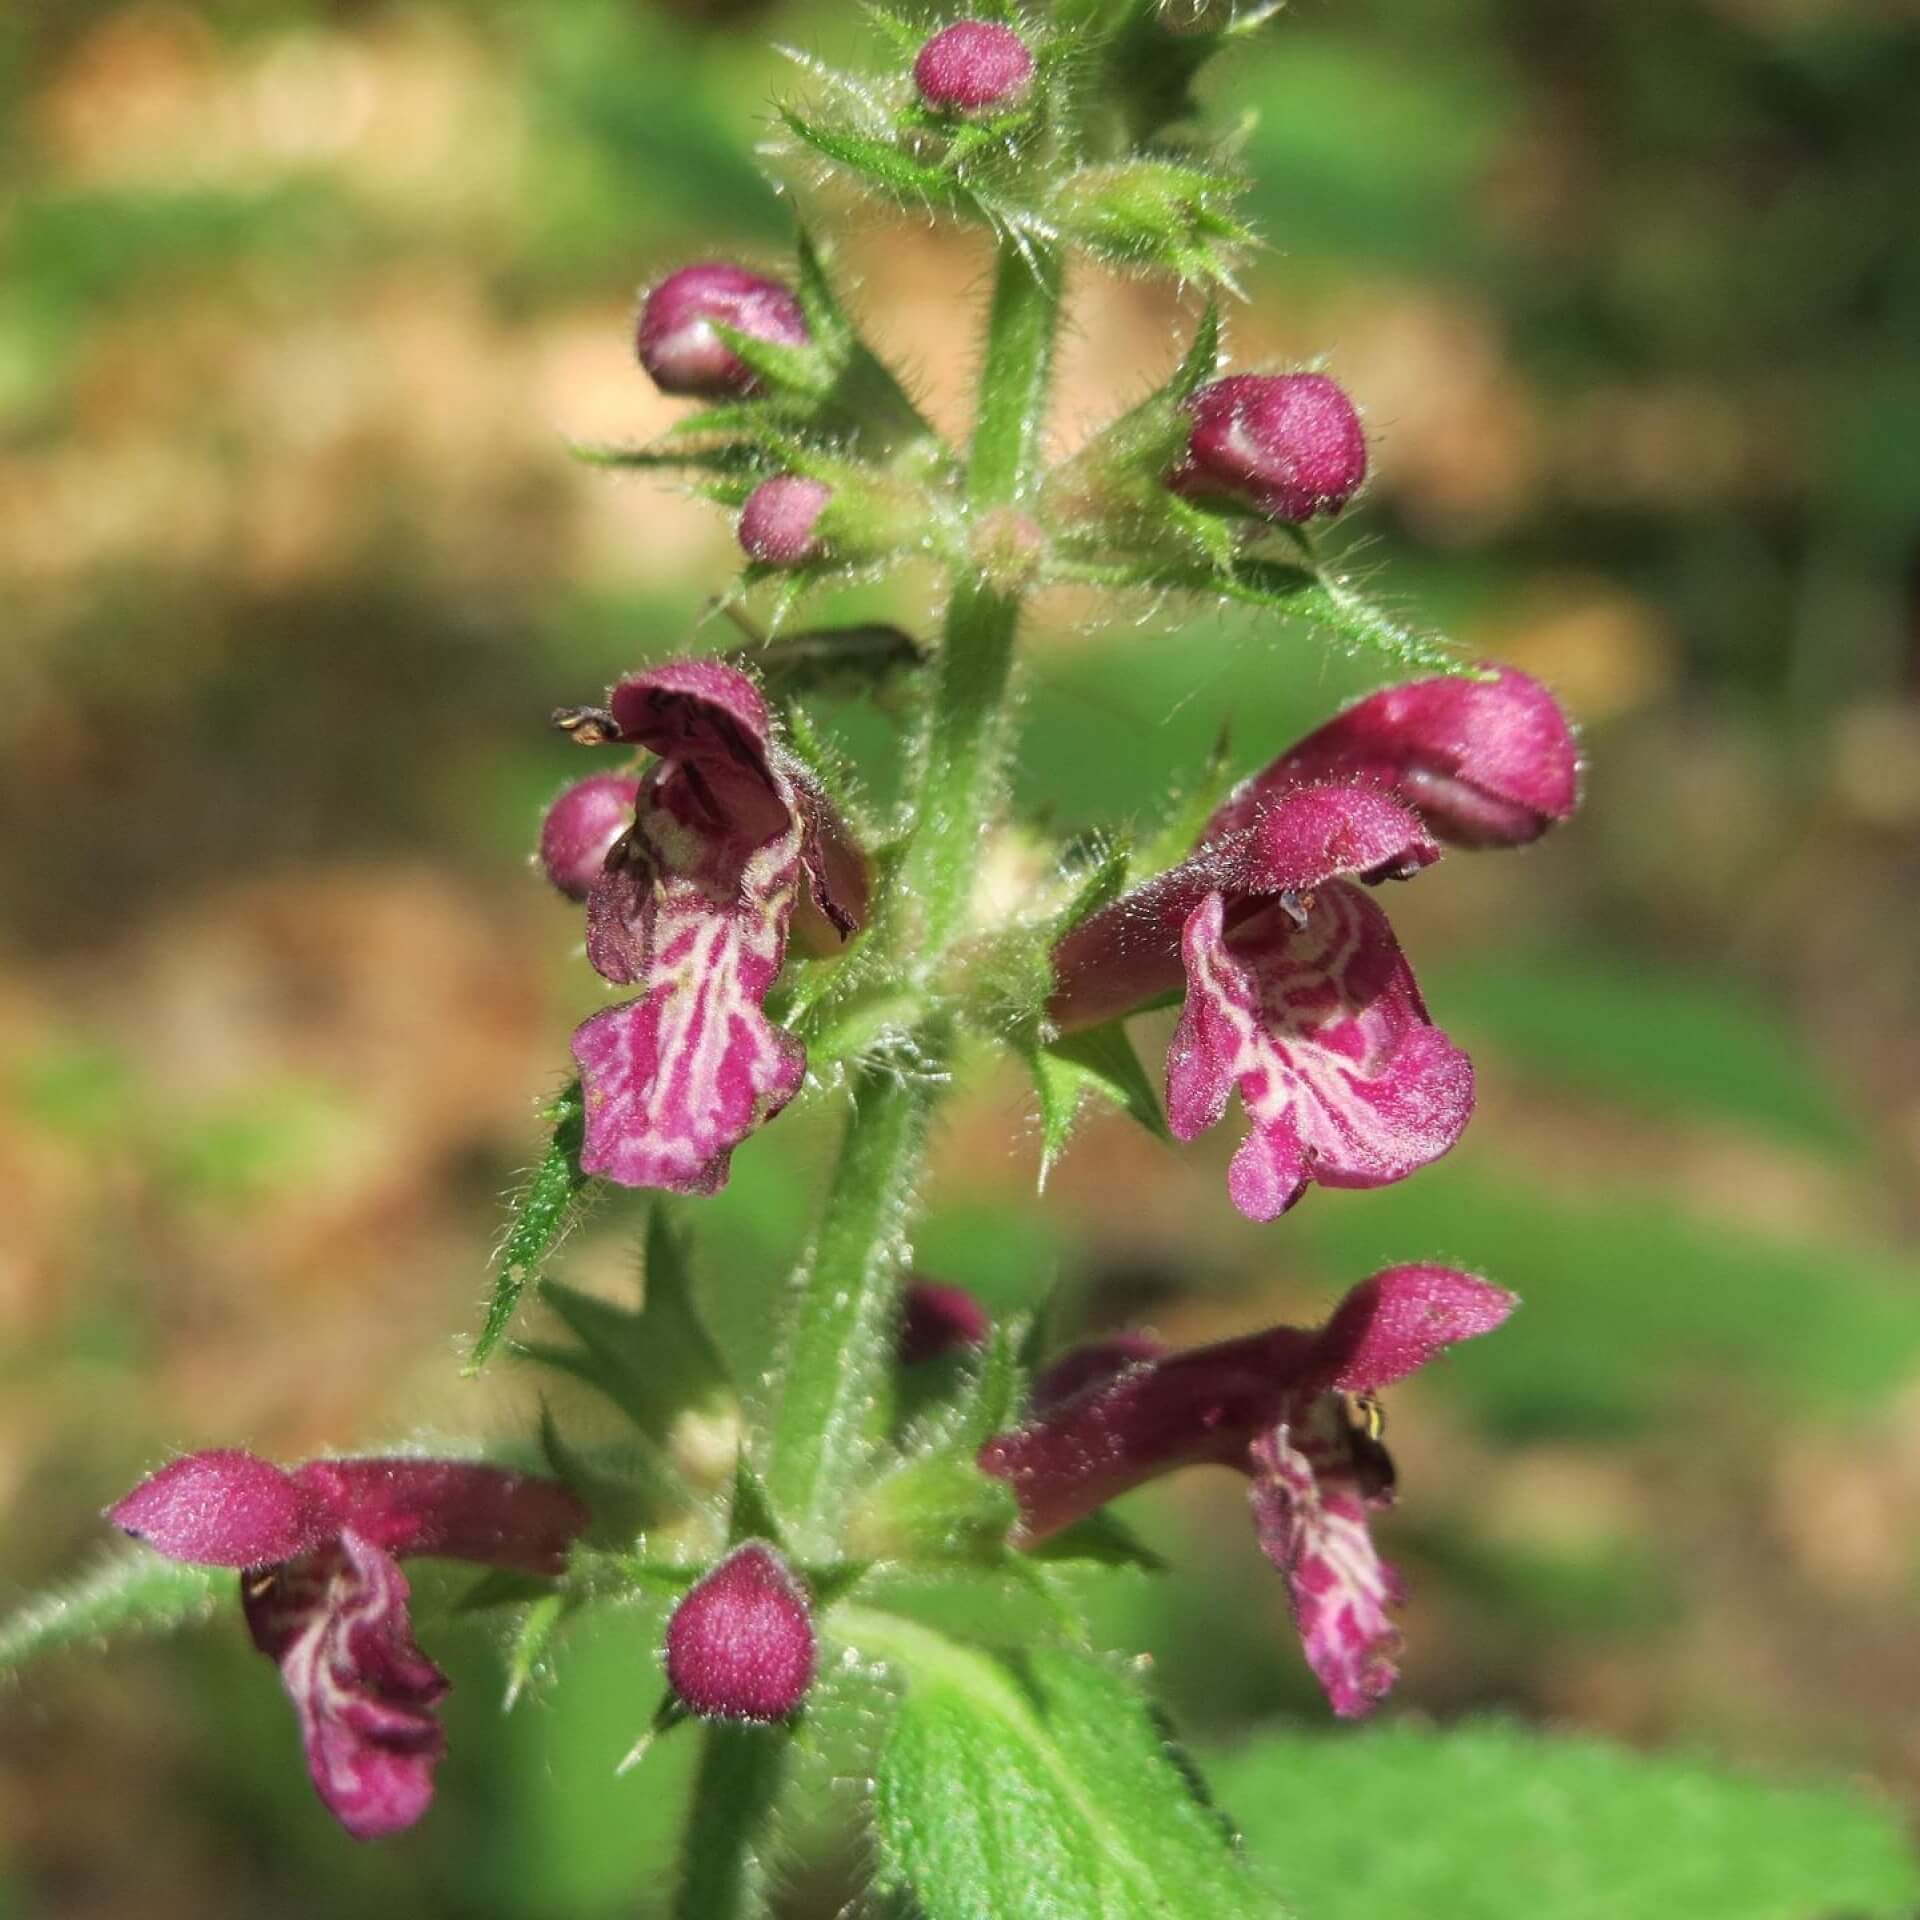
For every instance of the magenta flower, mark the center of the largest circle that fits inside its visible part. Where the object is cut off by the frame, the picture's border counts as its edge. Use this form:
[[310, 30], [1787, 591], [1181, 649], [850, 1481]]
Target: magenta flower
[[1296, 993], [677, 341], [731, 847], [741, 1645], [325, 1599], [1289, 1408]]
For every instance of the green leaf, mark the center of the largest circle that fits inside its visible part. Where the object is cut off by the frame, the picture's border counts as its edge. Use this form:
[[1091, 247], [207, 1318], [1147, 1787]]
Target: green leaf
[[541, 1216], [802, 372], [1040, 1785], [528, 1648], [878, 160], [503, 1587], [938, 1504], [826, 319], [727, 460], [1155, 211], [1298, 591], [752, 1516], [1493, 1822], [657, 1363], [136, 1592], [1099, 1060], [1658, 1040]]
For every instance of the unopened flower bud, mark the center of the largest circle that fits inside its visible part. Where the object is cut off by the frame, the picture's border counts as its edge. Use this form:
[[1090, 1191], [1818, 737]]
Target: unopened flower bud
[[940, 1320], [973, 66], [677, 342], [777, 523], [740, 1645], [1288, 444], [581, 827]]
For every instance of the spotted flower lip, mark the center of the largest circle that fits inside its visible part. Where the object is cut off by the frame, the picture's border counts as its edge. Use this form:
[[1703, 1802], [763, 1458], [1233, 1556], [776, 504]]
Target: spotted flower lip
[[1297, 995], [319, 1548], [1280, 1407], [731, 849]]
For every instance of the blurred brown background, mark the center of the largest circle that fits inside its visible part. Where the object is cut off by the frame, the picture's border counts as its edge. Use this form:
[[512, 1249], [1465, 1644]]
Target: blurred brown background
[[298, 303]]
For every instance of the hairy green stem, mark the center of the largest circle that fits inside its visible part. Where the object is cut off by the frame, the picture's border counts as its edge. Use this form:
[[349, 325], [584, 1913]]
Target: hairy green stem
[[541, 1216], [723, 1870], [836, 1399], [1021, 328], [965, 730]]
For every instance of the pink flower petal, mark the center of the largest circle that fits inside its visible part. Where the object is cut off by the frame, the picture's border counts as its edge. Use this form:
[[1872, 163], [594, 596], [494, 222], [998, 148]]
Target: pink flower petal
[[700, 710], [1091, 1365], [1313, 1526], [1394, 1323], [1487, 763], [1128, 1418], [937, 1320], [741, 1643], [225, 1508], [453, 1509], [335, 1623], [1322, 1029]]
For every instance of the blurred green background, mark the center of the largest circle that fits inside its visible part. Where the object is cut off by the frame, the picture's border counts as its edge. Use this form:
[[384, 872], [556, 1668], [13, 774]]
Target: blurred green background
[[298, 303]]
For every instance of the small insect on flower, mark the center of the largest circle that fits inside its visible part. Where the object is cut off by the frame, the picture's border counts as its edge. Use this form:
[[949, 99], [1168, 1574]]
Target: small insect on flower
[[1366, 1423]]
